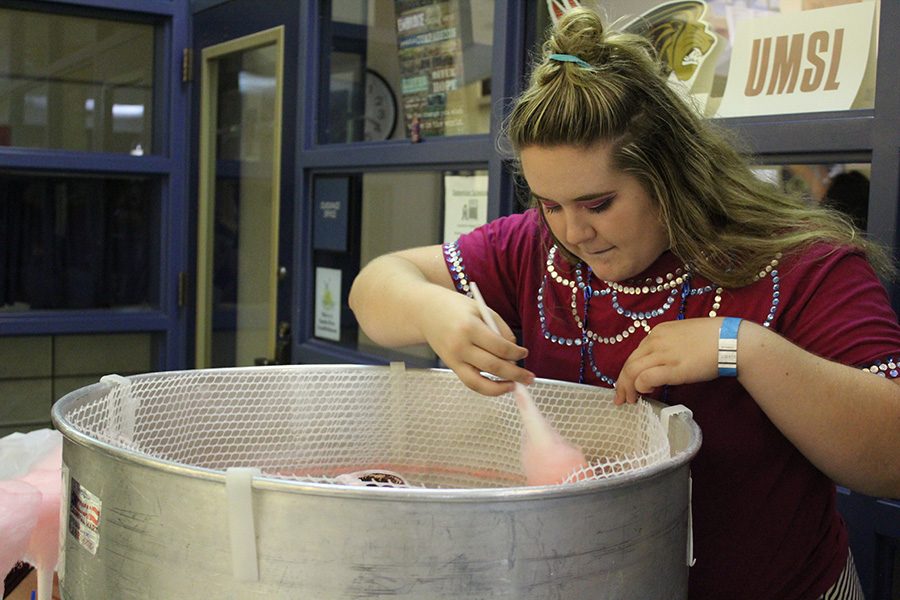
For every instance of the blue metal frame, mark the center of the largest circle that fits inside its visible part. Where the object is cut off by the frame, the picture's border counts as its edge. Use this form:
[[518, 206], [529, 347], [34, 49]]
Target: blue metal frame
[[804, 133], [57, 322], [172, 8], [175, 207], [874, 527], [84, 162], [169, 163], [134, 8], [511, 20], [884, 195]]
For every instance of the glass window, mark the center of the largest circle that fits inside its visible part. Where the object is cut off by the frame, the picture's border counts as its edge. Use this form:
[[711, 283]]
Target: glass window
[[73, 242], [756, 57], [361, 216], [841, 186], [407, 69], [75, 83]]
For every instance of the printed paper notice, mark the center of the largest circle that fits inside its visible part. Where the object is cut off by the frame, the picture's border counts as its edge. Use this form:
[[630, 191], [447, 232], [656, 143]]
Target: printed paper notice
[[465, 204], [328, 304], [84, 517], [809, 61]]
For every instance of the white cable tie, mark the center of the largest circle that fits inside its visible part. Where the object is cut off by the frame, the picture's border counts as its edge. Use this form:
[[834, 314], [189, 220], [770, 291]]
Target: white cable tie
[[665, 413], [114, 379], [396, 404], [397, 380], [242, 533], [398, 367], [123, 411]]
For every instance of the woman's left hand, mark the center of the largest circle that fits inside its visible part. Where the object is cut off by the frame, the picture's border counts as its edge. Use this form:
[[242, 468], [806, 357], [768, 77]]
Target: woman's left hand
[[844, 420], [673, 353]]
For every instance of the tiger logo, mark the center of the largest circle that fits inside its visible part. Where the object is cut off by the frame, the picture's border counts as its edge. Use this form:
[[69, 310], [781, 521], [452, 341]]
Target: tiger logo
[[679, 33]]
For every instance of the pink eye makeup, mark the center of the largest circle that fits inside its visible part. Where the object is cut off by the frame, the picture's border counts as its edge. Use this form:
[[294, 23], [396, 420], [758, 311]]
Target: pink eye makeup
[[591, 203], [550, 207], [599, 204]]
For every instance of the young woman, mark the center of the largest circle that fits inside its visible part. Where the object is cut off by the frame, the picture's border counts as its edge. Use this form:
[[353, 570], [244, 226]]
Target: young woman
[[650, 253]]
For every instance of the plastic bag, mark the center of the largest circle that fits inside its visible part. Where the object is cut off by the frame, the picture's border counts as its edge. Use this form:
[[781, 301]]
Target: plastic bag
[[30, 496]]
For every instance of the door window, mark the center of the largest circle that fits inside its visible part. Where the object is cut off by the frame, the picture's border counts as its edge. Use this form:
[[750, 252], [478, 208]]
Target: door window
[[240, 158]]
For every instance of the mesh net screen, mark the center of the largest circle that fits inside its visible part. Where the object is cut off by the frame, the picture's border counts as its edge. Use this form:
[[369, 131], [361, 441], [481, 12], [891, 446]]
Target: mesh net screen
[[319, 423]]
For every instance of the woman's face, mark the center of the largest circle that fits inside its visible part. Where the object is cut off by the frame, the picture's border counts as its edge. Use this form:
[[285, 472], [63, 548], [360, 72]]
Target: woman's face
[[602, 215]]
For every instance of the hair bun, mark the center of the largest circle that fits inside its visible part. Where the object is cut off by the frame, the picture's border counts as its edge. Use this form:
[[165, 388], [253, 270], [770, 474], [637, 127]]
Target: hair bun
[[580, 33]]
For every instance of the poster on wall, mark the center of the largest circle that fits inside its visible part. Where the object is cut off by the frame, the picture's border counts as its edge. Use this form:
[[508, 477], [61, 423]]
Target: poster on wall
[[800, 62], [687, 44], [465, 204], [431, 64], [331, 199], [328, 304]]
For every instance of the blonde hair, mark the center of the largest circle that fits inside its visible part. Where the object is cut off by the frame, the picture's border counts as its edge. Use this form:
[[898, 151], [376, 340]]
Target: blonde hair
[[720, 218]]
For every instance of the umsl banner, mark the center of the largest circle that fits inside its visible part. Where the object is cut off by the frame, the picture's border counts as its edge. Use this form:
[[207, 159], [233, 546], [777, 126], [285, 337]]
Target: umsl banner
[[808, 61]]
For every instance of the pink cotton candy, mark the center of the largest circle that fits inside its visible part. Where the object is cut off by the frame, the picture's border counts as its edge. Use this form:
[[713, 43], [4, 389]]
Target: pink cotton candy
[[19, 504], [31, 468], [547, 458], [51, 461], [43, 547], [550, 463]]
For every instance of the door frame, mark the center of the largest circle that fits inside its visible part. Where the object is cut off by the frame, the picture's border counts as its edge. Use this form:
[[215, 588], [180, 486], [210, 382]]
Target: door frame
[[206, 202]]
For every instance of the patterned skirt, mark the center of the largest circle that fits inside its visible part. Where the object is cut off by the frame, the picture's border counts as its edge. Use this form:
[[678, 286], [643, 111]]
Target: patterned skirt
[[847, 586]]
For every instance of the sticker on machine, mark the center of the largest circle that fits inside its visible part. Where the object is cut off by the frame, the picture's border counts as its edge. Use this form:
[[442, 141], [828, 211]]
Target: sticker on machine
[[84, 517]]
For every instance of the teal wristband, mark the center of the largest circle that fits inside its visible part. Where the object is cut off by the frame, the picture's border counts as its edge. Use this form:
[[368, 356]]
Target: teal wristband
[[728, 333]]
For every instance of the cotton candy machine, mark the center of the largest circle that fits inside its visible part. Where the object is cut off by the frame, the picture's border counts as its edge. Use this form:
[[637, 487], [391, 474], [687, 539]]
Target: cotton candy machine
[[331, 482]]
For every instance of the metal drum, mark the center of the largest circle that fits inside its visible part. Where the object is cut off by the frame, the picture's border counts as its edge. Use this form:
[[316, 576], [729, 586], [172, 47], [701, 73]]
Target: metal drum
[[151, 510]]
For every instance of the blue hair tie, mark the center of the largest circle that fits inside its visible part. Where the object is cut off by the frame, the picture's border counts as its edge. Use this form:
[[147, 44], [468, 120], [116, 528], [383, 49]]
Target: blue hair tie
[[570, 58]]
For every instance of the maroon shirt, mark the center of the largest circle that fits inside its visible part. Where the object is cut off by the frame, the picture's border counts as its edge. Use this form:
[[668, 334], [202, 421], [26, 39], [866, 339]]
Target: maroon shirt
[[764, 518]]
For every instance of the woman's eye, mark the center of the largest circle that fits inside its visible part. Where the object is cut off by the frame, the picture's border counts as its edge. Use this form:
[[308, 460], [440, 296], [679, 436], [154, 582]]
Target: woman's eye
[[600, 204], [550, 208]]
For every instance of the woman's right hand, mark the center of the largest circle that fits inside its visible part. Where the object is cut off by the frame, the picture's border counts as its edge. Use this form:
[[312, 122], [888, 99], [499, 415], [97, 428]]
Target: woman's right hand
[[453, 327], [408, 298]]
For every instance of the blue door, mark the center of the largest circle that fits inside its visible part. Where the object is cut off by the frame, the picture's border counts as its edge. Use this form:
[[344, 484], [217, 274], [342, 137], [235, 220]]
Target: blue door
[[245, 73]]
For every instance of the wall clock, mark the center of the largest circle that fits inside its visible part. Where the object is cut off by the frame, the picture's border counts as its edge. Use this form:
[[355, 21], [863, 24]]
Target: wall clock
[[381, 108]]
